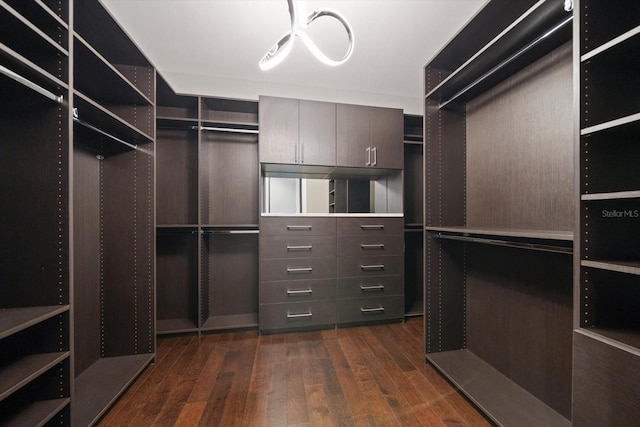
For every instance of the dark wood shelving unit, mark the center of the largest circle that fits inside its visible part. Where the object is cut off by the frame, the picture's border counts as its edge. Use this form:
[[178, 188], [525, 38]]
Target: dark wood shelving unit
[[414, 214], [498, 319], [207, 221], [36, 413], [14, 320]]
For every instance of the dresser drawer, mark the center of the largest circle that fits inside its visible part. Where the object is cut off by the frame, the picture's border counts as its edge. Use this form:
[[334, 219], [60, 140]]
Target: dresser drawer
[[272, 247], [297, 226], [272, 270], [297, 315], [370, 226], [297, 291], [370, 309], [371, 245], [379, 265], [361, 287]]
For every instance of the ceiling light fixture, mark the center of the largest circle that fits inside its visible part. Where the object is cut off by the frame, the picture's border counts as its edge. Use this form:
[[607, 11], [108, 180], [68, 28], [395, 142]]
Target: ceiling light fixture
[[281, 49]]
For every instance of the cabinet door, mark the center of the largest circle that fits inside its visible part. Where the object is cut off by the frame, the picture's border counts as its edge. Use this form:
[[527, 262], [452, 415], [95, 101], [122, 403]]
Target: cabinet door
[[387, 134], [317, 133], [353, 135], [278, 121]]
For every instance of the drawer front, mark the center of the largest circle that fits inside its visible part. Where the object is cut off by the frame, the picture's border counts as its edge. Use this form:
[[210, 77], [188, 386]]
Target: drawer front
[[297, 226], [371, 245], [273, 247], [272, 270], [362, 287], [297, 315], [370, 226], [370, 266], [370, 309], [297, 291]]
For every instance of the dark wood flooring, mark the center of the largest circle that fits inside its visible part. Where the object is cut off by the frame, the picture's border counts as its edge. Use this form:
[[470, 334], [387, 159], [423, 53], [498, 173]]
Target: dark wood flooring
[[365, 376]]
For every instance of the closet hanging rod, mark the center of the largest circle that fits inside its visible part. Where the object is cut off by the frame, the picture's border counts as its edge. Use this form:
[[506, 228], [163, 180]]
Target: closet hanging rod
[[100, 131], [31, 85], [506, 243], [231, 232], [507, 61], [231, 130]]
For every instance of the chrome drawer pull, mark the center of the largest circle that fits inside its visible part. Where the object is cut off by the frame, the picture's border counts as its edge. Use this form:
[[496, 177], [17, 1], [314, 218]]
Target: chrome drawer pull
[[299, 292], [299, 315], [299, 227], [372, 226], [372, 288], [300, 270], [372, 267], [299, 248], [376, 246], [375, 310]]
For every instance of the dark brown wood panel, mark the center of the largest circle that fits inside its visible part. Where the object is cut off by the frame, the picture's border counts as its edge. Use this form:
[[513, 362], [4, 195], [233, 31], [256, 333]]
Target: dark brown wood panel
[[177, 177], [279, 136], [519, 149], [387, 130], [370, 245], [414, 272], [519, 318], [297, 269], [228, 178], [413, 184], [372, 265], [297, 315], [360, 287], [273, 247], [605, 384], [353, 135], [297, 226], [232, 274], [317, 133], [370, 309], [367, 226], [297, 290]]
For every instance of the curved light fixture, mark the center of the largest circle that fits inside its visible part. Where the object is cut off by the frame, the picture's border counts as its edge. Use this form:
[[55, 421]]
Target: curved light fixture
[[281, 49]]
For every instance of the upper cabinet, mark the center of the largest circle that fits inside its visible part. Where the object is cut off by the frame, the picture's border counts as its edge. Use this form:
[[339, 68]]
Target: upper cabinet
[[369, 137], [313, 133], [297, 132]]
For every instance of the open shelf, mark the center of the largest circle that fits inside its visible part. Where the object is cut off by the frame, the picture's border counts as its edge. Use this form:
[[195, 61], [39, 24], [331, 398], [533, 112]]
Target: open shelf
[[176, 123], [37, 413], [229, 112], [612, 196], [628, 267], [504, 401], [175, 326], [625, 339], [603, 22], [232, 321], [43, 18], [13, 320], [24, 370], [102, 383], [170, 105]]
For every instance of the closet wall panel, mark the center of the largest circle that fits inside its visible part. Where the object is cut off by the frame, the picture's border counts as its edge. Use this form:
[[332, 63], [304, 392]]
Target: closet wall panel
[[517, 174]]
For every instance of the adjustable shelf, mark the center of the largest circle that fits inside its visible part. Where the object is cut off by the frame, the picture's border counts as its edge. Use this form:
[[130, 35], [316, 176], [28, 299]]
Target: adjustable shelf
[[176, 123], [38, 14], [606, 22], [37, 413], [176, 326], [231, 321], [102, 383], [14, 320], [172, 106], [21, 372], [628, 267], [229, 113], [506, 403]]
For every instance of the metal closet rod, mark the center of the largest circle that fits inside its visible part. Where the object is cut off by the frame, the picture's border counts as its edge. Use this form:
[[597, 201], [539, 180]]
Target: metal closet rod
[[100, 131], [508, 60], [230, 130], [31, 85], [230, 231], [510, 244]]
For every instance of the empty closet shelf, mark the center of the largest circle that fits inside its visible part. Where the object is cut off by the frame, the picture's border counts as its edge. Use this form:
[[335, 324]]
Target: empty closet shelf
[[14, 320], [629, 267]]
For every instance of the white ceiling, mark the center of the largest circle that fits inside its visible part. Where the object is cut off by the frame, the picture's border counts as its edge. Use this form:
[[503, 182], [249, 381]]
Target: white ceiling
[[212, 47]]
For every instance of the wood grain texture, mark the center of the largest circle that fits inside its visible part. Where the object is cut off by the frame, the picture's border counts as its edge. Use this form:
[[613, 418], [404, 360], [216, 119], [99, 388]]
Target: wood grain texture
[[279, 133], [317, 133], [369, 376], [353, 135], [519, 149]]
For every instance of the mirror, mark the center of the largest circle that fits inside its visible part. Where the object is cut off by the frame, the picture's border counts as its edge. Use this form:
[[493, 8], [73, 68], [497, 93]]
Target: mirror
[[359, 194]]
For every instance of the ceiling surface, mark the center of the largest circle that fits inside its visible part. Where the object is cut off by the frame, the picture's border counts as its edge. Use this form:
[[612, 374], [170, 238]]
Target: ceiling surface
[[212, 47]]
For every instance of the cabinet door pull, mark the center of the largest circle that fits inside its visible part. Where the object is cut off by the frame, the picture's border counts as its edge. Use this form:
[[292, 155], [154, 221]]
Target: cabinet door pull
[[300, 270], [299, 227], [293, 248], [368, 150], [375, 156], [372, 267], [373, 246], [372, 288], [299, 315], [375, 310], [372, 226], [299, 291]]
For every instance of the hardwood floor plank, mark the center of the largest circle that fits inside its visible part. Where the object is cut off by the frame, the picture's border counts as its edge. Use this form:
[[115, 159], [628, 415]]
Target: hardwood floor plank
[[365, 376]]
